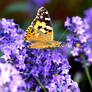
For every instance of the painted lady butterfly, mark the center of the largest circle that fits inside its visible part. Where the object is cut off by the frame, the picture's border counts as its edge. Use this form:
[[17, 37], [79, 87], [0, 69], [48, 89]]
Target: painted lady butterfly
[[40, 32]]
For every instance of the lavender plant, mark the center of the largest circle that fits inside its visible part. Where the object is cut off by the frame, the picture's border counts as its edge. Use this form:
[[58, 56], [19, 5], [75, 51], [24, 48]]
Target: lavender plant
[[79, 38], [88, 17], [79, 41], [10, 80], [41, 69], [52, 70], [12, 43]]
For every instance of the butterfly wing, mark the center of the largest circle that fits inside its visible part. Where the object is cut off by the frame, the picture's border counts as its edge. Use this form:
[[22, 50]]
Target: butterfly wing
[[42, 44], [42, 23], [32, 35], [40, 33]]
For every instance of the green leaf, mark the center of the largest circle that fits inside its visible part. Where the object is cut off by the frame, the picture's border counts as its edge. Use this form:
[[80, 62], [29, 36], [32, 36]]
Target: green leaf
[[0, 53], [16, 7]]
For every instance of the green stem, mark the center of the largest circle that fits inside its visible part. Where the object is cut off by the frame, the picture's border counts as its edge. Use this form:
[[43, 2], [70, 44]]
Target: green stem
[[40, 84], [87, 71], [26, 90]]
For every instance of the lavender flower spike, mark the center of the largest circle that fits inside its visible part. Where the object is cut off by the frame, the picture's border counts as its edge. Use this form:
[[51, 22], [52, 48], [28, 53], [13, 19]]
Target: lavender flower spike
[[12, 43], [10, 80], [79, 37]]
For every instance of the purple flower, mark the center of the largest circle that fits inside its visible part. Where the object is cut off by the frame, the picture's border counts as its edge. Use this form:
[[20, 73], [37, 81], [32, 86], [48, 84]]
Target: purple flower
[[51, 68], [88, 15], [40, 2], [67, 22], [12, 43], [79, 37], [62, 83], [77, 20], [75, 51], [10, 80]]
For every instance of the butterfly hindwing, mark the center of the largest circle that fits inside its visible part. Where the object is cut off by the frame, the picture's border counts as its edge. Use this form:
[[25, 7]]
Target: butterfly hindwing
[[48, 44]]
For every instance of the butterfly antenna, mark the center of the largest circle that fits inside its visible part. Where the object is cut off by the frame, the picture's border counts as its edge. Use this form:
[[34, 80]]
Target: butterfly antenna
[[62, 33], [62, 36]]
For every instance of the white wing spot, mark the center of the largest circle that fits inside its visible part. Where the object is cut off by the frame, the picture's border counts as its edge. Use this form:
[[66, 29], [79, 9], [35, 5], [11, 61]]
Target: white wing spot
[[46, 12], [41, 17], [48, 27], [47, 19]]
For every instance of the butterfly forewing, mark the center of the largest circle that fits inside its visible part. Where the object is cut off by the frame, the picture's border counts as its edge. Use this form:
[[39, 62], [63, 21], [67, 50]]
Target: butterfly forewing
[[42, 23], [42, 16]]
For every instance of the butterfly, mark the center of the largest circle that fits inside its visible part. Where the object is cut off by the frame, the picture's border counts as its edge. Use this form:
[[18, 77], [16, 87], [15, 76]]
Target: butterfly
[[40, 32]]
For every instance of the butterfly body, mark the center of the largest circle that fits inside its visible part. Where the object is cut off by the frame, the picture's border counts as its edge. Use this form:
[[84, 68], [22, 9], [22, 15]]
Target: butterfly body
[[40, 33]]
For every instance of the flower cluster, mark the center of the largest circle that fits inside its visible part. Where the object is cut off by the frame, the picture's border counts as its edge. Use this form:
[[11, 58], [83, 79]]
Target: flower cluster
[[10, 80], [62, 83], [88, 17], [49, 66], [12, 43], [79, 38]]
